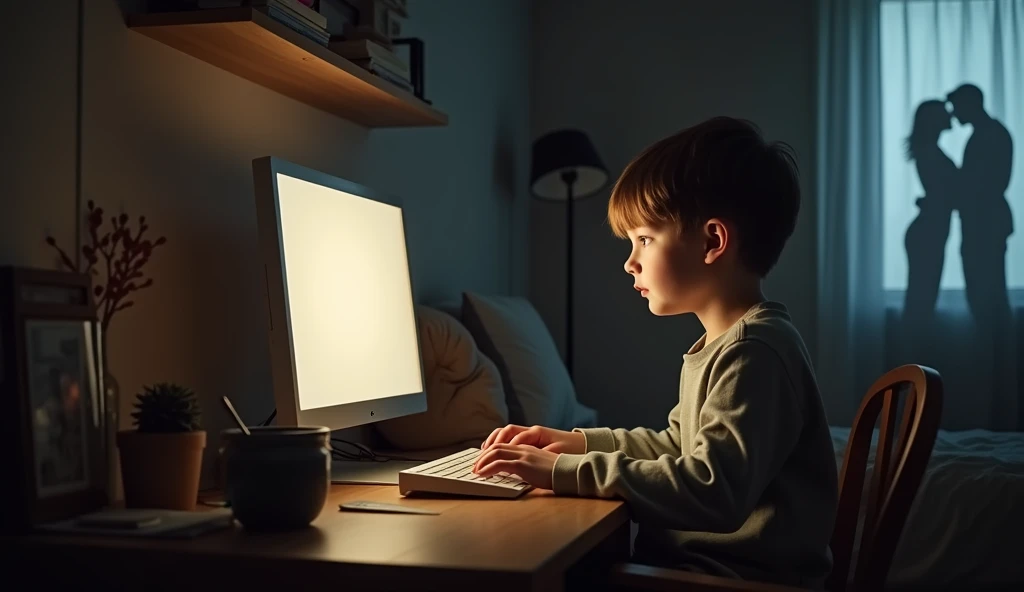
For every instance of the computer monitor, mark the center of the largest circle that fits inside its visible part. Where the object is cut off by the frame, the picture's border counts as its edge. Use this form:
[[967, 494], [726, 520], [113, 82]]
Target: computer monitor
[[344, 345]]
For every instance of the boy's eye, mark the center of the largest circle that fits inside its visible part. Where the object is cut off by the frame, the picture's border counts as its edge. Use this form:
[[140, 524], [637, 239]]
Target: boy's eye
[[643, 240]]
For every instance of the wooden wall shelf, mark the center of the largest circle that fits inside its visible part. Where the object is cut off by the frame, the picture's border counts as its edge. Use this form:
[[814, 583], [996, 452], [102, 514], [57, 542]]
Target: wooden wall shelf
[[249, 43]]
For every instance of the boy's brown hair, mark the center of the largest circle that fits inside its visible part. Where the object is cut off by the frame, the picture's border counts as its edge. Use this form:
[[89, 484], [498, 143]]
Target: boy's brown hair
[[721, 168]]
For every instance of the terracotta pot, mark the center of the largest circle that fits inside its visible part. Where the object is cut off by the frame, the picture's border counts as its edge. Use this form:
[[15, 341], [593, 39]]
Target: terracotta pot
[[161, 470]]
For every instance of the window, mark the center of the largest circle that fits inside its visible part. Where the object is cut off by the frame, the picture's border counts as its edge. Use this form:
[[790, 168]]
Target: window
[[927, 50]]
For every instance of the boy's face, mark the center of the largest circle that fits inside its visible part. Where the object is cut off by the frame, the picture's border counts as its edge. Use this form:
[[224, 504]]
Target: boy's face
[[668, 268]]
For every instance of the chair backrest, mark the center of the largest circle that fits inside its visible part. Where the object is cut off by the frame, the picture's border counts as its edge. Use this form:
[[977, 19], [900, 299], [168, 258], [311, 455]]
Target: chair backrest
[[895, 478]]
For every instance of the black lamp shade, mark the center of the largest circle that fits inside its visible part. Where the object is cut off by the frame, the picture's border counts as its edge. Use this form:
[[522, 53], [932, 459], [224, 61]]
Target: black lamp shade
[[564, 151]]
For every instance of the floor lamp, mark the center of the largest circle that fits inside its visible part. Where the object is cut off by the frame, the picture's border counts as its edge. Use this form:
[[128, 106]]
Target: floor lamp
[[566, 167]]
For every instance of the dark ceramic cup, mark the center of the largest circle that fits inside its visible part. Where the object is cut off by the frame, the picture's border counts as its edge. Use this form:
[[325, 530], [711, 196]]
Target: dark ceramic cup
[[278, 477]]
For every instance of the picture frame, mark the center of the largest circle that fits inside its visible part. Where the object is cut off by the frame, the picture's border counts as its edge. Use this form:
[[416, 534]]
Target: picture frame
[[52, 428]]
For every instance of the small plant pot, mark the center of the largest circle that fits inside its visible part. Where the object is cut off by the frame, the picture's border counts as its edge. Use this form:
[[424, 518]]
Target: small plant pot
[[161, 470]]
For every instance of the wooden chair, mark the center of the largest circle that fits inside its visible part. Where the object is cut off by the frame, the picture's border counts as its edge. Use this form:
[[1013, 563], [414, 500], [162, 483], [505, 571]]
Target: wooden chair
[[894, 483]]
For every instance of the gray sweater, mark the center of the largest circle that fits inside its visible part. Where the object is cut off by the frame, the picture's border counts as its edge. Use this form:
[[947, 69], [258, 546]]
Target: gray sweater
[[743, 483]]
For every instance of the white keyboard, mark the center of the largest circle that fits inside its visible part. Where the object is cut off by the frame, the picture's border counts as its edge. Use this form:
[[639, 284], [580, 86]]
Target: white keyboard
[[454, 474]]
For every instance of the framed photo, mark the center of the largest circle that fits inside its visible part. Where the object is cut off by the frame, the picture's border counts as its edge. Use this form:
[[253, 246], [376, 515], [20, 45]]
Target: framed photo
[[50, 390], [59, 374]]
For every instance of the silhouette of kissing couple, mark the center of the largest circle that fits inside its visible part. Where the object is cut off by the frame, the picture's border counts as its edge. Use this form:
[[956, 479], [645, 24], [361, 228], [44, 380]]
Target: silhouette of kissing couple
[[976, 191]]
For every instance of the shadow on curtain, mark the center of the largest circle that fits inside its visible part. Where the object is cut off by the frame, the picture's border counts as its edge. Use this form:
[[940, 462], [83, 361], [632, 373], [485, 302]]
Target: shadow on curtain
[[921, 261]]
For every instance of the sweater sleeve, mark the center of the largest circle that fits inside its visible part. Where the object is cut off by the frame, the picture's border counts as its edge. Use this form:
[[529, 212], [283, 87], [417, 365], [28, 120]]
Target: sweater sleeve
[[749, 423], [639, 443]]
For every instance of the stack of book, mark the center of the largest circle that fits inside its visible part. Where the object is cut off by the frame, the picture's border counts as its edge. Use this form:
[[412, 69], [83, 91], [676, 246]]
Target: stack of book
[[376, 59], [296, 16]]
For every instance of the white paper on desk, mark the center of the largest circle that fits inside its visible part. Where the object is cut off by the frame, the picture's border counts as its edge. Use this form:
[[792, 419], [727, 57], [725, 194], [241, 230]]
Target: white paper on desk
[[172, 524]]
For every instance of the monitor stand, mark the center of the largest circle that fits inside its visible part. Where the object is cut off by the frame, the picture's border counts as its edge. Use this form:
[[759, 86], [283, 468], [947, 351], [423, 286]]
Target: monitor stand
[[369, 472]]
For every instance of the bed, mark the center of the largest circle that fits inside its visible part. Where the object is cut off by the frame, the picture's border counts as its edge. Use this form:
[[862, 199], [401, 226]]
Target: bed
[[964, 528]]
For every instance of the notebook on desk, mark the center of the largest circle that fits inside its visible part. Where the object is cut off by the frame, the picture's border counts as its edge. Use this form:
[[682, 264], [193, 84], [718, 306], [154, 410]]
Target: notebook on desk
[[143, 523]]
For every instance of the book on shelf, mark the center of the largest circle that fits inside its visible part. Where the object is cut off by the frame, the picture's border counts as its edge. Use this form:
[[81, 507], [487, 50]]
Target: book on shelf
[[399, 7], [385, 17], [390, 77], [373, 65], [339, 13], [350, 31], [299, 9], [294, 23], [365, 49]]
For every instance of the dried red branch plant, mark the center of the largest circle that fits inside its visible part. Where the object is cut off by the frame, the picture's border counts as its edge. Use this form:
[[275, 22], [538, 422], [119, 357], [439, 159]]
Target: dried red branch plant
[[122, 251]]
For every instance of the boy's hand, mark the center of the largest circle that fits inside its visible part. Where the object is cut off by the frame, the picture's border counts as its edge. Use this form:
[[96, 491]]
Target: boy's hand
[[531, 464], [539, 437]]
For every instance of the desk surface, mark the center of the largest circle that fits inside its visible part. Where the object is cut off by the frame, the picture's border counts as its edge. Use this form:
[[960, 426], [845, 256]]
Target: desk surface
[[527, 543]]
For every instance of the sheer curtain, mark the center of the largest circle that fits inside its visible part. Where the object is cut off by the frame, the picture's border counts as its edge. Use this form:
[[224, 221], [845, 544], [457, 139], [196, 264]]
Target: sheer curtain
[[930, 49], [886, 68], [851, 305]]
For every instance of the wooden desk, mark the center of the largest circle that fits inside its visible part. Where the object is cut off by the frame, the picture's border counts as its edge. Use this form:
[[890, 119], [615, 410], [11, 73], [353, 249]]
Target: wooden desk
[[538, 542]]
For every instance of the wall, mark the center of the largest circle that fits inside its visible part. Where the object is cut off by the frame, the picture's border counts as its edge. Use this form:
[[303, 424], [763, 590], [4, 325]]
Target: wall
[[629, 74], [171, 137], [38, 133]]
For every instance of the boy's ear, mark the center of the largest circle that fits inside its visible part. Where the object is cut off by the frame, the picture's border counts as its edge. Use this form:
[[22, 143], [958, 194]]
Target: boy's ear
[[716, 239]]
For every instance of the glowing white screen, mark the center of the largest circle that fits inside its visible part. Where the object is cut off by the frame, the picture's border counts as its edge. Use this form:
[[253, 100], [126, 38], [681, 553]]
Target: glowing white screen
[[350, 306]]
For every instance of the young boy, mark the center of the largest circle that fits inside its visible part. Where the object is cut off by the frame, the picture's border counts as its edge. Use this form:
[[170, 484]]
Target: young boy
[[743, 481]]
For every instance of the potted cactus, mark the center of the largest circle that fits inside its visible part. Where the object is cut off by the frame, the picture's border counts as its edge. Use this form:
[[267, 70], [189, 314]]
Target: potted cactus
[[162, 458]]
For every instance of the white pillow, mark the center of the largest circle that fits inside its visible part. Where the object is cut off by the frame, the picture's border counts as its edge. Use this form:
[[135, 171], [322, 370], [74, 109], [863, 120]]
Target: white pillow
[[538, 389]]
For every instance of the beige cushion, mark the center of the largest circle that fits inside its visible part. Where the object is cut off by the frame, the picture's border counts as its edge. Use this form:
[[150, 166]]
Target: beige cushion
[[465, 400]]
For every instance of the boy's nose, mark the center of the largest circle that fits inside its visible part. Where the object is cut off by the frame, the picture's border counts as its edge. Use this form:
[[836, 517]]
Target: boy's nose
[[631, 266]]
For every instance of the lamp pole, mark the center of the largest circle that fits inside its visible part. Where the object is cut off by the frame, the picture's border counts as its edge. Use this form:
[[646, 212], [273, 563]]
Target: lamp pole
[[569, 177]]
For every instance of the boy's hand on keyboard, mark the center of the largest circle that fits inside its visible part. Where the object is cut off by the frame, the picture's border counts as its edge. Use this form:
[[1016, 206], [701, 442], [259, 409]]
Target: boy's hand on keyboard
[[539, 437], [531, 464]]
